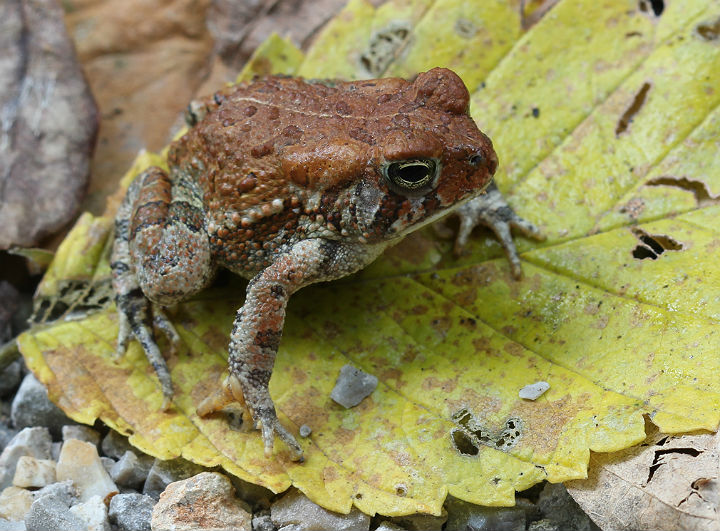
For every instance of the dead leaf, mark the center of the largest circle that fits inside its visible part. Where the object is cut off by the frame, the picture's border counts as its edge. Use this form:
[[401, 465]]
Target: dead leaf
[[665, 483], [48, 122]]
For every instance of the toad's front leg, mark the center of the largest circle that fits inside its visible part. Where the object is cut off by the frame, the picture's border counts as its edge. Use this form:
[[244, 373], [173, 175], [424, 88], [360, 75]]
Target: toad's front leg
[[258, 328], [491, 210]]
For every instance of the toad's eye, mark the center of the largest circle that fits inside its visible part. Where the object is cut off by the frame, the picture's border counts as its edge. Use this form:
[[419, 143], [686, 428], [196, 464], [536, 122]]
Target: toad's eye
[[411, 175]]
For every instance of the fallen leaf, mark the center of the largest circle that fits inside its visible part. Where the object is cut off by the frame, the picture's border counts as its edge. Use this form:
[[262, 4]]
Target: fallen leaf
[[665, 483], [48, 122], [591, 110]]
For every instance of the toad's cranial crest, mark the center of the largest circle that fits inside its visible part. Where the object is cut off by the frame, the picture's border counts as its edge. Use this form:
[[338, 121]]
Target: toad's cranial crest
[[287, 183]]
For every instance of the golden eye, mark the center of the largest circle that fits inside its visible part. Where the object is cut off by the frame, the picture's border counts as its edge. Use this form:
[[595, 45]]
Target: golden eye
[[411, 175]]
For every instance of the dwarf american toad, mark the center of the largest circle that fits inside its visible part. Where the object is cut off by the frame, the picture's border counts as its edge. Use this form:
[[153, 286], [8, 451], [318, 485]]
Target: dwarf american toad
[[289, 182]]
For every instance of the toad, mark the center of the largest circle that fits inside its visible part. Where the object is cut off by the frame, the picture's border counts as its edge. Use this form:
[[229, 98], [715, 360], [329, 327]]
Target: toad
[[289, 182]]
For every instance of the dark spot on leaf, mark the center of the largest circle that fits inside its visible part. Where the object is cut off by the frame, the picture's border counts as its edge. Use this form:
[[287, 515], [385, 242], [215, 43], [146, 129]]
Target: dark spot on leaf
[[632, 110]]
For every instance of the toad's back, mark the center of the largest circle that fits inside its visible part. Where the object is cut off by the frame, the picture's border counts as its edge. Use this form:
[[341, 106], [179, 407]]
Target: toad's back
[[281, 159]]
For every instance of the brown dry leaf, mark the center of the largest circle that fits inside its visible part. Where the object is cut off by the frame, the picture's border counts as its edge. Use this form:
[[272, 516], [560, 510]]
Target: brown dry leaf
[[144, 62], [48, 122], [666, 483]]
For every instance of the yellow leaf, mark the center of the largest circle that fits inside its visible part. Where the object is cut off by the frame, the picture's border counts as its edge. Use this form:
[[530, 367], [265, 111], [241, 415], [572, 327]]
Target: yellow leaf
[[605, 118]]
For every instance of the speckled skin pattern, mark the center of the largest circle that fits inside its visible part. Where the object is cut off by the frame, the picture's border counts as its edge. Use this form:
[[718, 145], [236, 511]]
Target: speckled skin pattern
[[288, 182]]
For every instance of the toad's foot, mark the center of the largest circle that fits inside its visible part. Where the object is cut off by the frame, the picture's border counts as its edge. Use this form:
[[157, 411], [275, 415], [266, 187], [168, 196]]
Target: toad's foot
[[491, 210], [138, 326], [230, 393]]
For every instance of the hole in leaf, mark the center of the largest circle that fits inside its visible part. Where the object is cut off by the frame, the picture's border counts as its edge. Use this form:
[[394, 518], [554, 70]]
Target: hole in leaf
[[654, 6], [463, 443], [383, 48], [637, 103], [710, 31], [698, 188], [659, 454], [653, 245]]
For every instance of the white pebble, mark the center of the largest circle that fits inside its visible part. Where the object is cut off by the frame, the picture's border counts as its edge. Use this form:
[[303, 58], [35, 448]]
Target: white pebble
[[534, 391], [80, 462], [31, 472]]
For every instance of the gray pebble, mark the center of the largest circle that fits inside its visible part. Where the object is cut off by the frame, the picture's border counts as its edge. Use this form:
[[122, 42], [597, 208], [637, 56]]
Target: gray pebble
[[131, 471], [131, 512], [6, 435], [32, 407], [6, 525], [50, 511], [108, 463], [533, 391], [463, 515], [115, 445], [55, 450], [34, 442], [62, 490], [296, 512], [10, 378], [81, 433], [261, 521], [352, 386], [559, 508], [162, 473]]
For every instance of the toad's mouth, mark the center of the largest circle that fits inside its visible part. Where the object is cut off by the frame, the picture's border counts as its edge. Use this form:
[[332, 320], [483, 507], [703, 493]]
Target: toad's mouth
[[403, 226]]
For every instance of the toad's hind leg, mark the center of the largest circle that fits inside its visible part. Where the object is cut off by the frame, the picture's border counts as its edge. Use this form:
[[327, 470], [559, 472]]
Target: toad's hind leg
[[161, 255]]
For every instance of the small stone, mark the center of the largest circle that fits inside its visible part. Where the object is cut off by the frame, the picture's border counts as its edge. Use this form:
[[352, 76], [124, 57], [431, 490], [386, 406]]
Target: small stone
[[10, 377], [12, 526], [162, 473], [543, 525], [294, 509], [108, 463], [6, 435], [352, 386], [34, 442], [421, 522], [388, 526], [115, 445], [533, 391], [131, 472], [557, 506], [80, 462], [305, 430], [81, 433], [51, 512], [31, 472], [463, 515], [62, 490], [94, 513], [203, 501], [55, 450], [15, 503], [131, 512], [32, 407], [261, 521]]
